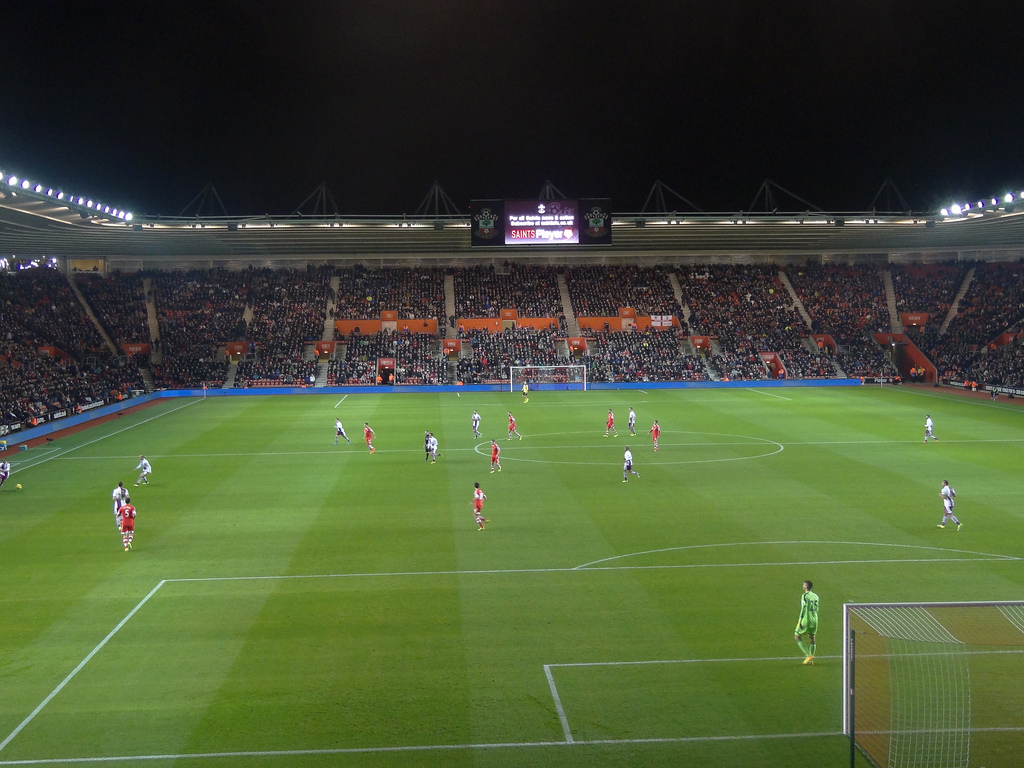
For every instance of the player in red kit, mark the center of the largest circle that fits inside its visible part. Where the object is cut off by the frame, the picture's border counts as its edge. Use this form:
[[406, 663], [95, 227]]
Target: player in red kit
[[655, 432], [512, 427], [495, 453], [610, 426], [368, 434], [127, 513], [478, 506]]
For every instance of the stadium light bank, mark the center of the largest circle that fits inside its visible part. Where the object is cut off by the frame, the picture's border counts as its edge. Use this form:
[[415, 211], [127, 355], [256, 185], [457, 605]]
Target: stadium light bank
[[87, 208]]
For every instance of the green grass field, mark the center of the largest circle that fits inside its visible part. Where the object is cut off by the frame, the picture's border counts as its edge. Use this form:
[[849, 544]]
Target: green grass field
[[293, 603]]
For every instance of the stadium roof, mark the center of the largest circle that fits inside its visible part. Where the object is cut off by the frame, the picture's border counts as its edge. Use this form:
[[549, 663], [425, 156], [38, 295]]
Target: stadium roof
[[33, 225]]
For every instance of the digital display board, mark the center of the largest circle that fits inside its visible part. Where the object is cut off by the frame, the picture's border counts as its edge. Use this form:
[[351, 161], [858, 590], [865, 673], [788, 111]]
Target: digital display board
[[543, 223]]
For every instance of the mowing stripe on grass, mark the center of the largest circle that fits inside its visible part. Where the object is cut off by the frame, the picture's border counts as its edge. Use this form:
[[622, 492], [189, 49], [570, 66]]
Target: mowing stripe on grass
[[78, 669]]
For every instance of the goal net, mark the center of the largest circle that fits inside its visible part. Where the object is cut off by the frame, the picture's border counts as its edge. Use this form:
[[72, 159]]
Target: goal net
[[935, 685], [547, 377]]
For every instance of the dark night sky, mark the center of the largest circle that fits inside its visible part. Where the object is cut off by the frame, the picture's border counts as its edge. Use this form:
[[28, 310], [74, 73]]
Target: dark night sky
[[143, 103]]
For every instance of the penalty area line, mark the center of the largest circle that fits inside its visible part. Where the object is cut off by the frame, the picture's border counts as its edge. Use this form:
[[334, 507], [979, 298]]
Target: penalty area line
[[770, 394], [75, 671], [422, 748], [340, 401]]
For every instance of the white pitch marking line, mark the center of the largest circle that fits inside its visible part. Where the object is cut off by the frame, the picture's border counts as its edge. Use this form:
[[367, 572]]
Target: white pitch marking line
[[340, 401], [420, 748], [558, 704], [77, 669], [111, 434], [800, 543], [680, 661], [771, 394]]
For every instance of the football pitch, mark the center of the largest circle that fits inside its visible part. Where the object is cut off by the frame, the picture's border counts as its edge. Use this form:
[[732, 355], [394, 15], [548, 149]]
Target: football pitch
[[289, 602]]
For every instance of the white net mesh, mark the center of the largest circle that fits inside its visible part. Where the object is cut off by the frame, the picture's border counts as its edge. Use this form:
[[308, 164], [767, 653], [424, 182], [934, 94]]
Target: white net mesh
[[936, 685]]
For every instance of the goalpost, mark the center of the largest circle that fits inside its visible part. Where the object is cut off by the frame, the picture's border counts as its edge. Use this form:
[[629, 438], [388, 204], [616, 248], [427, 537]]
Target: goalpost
[[936, 685], [547, 377]]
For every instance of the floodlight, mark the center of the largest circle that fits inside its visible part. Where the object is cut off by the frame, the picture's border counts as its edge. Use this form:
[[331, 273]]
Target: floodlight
[[81, 201], [1008, 198], [13, 180], [88, 204], [25, 184], [49, 192], [60, 195], [944, 211], [127, 217], [956, 209], [967, 206], [106, 209], [37, 188]]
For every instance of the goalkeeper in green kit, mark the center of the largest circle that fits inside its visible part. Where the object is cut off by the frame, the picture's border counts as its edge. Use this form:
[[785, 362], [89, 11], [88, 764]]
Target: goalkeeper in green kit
[[807, 624]]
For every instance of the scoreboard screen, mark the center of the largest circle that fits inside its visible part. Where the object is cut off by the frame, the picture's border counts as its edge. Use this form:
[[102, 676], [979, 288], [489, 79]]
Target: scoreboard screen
[[543, 223]]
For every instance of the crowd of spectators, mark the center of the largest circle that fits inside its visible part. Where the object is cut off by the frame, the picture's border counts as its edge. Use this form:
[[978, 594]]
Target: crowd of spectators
[[481, 291], [273, 372], [119, 303], [744, 306], [842, 300], [1001, 367], [863, 358], [492, 354], [600, 291], [803, 364], [744, 365], [929, 288], [39, 310], [848, 303], [418, 359], [993, 304], [411, 292], [650, 355], [289, 307], [198, 311]]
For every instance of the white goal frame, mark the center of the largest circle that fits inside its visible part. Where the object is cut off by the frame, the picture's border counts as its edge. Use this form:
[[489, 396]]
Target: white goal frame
[[547, 377]]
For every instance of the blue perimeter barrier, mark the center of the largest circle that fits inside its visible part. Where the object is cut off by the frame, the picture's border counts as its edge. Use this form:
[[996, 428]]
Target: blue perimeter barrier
[[16, 439]]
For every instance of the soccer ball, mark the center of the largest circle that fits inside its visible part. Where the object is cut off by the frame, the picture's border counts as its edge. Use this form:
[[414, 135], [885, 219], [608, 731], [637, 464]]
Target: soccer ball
[[18, 486]]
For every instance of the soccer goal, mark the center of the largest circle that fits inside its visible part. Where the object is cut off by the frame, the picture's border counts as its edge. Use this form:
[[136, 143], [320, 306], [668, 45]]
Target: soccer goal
[[547, 377], [935, 685]]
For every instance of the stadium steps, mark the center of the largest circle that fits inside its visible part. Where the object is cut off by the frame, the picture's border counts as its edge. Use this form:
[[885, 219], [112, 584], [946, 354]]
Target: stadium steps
[[570, 316], [677, 291], [95, 321], [156, 355], [784, 279], [449, 305], [955, 306], [147, 379], [229, 376], [895, 324], [321, 375], [328, 334], [712, 373]]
